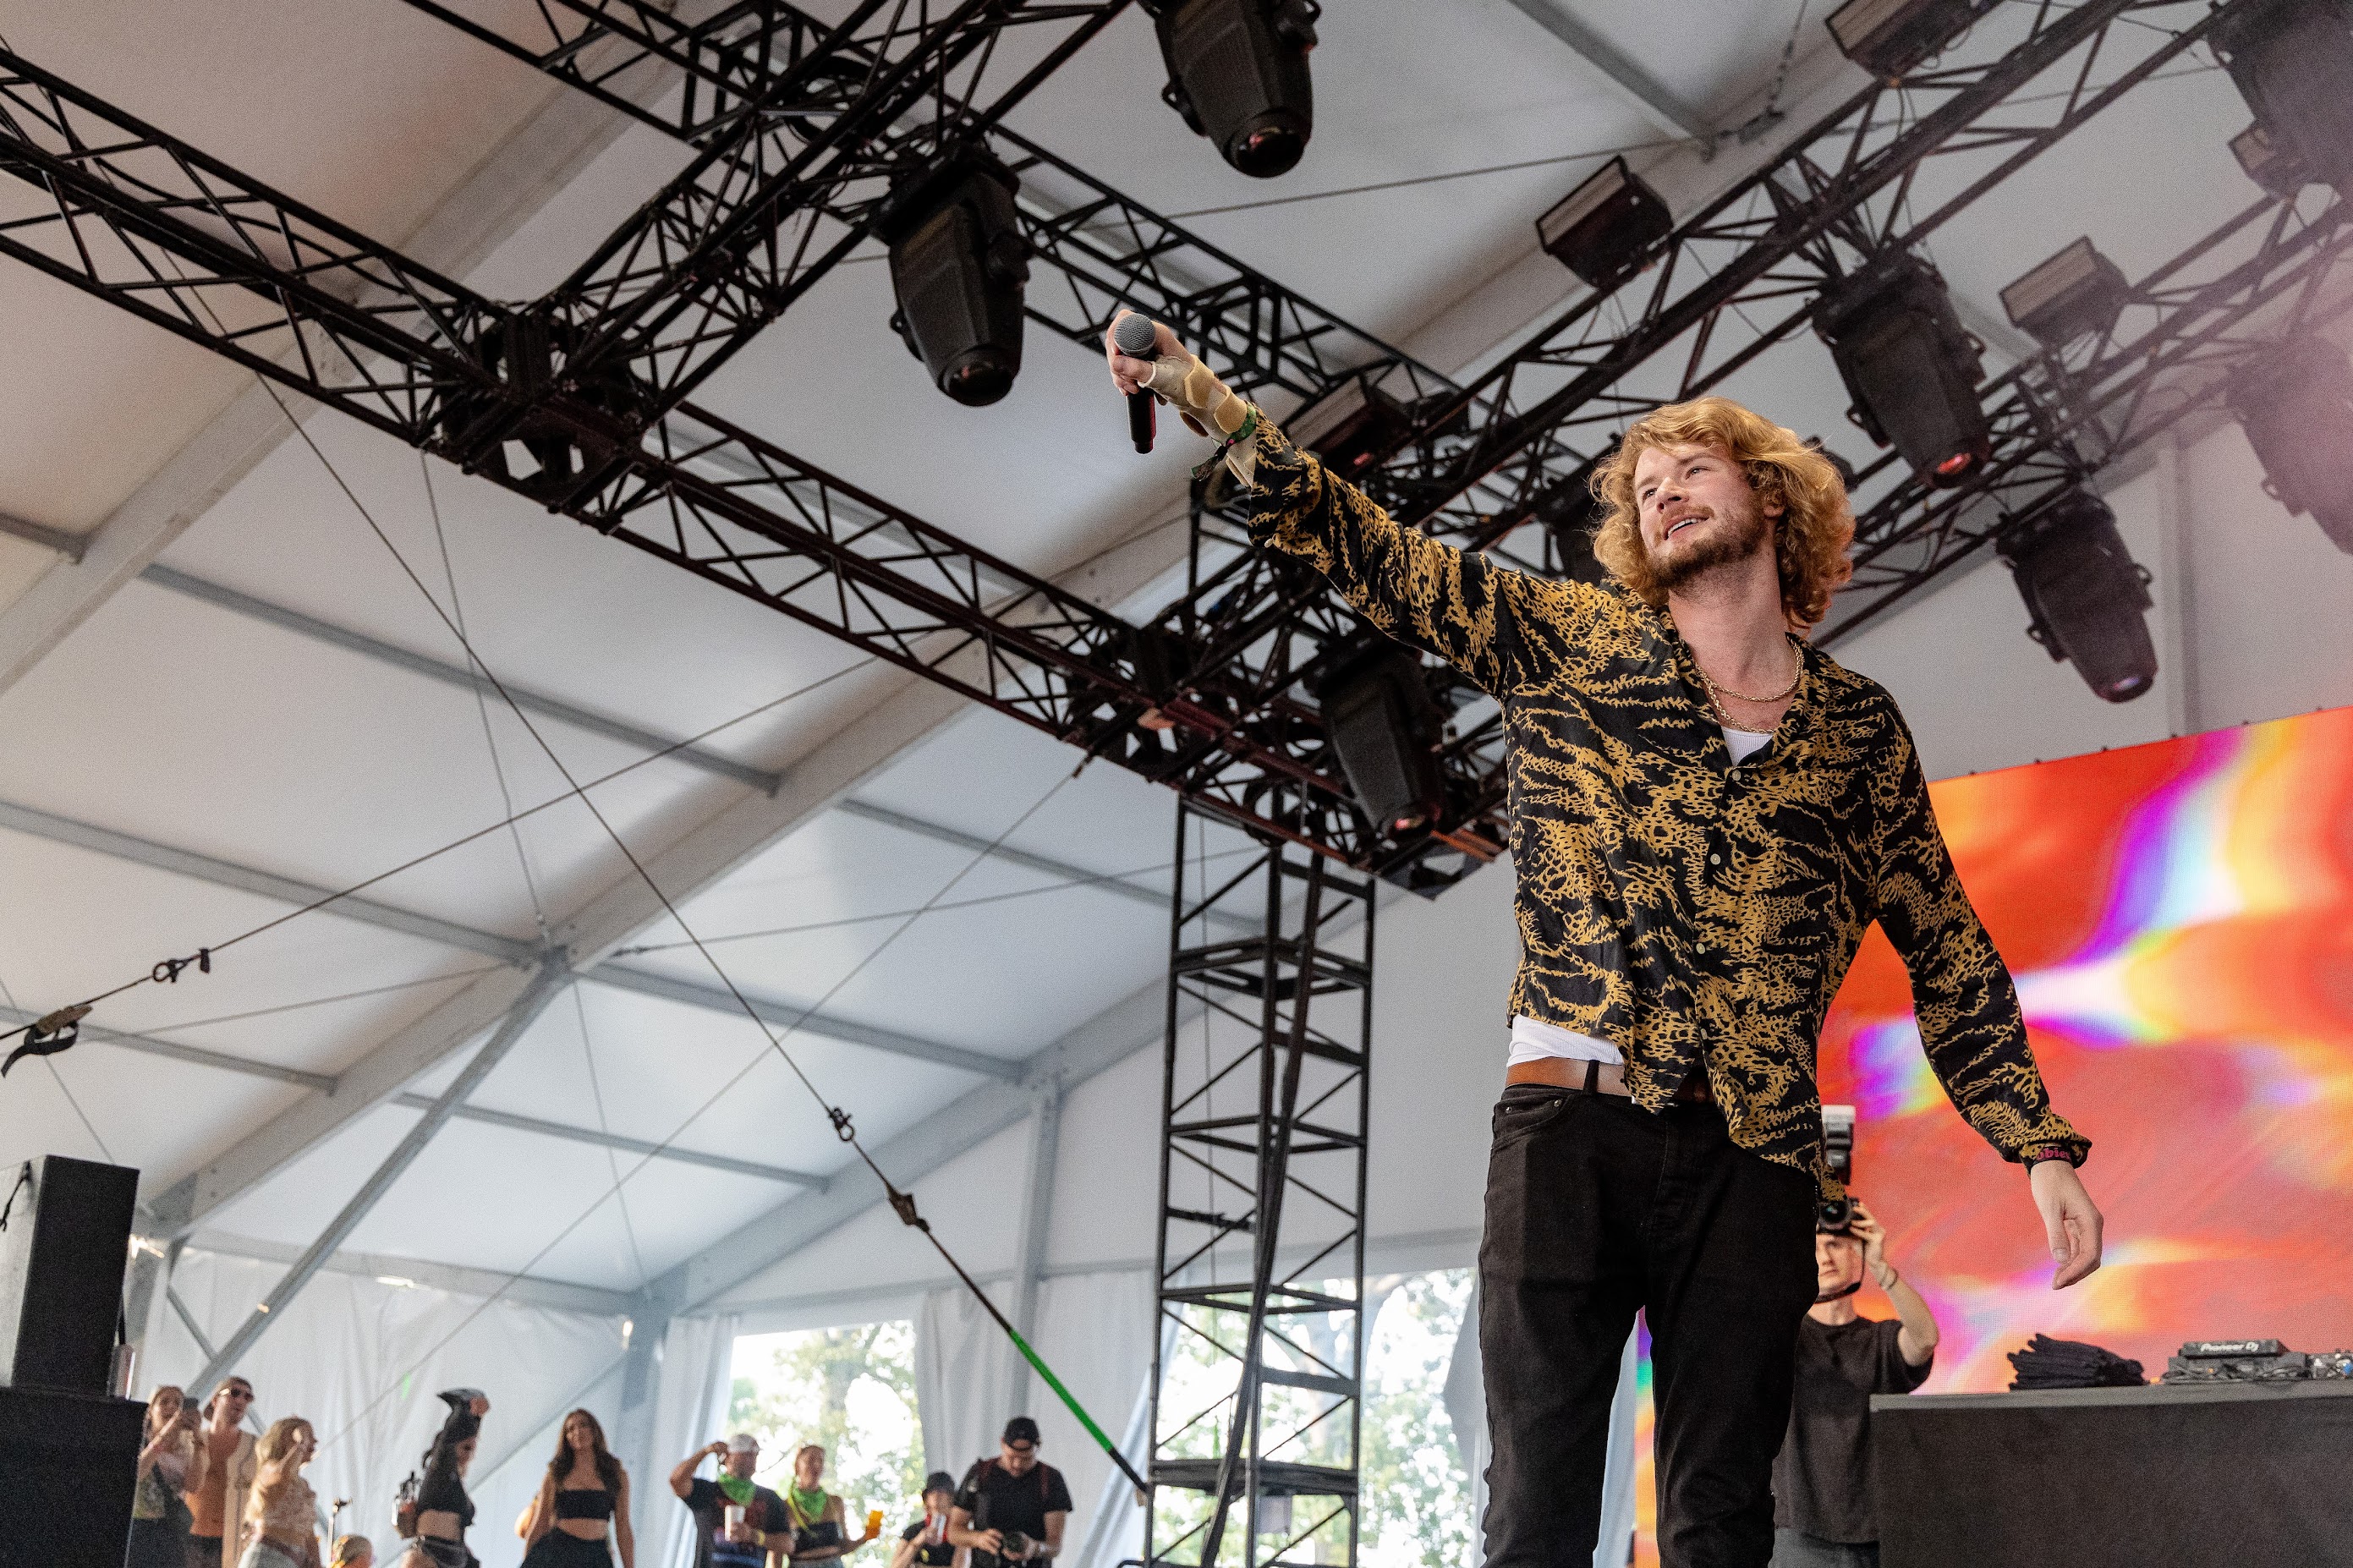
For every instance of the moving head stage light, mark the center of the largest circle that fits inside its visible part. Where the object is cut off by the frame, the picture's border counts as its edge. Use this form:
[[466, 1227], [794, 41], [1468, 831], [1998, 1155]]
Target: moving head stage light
[[1911, 369], [2293, 62], [1387, 728], [958, 268], [1238, 73], [2086, 600], [2297, 407]]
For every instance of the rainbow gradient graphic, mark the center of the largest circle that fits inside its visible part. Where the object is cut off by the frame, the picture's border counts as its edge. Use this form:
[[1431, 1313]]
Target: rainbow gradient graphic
[[2178, 917]]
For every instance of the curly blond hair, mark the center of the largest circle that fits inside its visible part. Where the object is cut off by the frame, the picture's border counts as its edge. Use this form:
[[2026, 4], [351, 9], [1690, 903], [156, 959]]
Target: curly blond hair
[[1810, 539]]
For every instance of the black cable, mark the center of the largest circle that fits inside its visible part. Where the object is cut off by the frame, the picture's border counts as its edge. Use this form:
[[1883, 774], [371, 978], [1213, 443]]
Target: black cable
[[169, 970]]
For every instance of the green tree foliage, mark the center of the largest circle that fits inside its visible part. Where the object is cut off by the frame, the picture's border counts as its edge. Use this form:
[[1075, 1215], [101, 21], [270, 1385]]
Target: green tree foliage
[[850, 1391], [1415, 1494]]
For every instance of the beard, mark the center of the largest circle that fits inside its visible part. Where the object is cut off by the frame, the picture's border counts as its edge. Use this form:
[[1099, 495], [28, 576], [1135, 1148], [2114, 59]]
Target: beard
[[1745, 535]]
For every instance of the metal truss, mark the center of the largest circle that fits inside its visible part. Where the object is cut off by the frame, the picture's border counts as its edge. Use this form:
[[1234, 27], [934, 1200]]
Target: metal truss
[[1257, 1380], [1101, 250], [803, 127], [1739, 276], [2270, 275], [150, 225]]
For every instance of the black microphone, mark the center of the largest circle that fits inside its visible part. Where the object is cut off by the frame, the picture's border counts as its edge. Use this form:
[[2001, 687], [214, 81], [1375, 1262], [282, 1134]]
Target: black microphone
[[1136, 337]]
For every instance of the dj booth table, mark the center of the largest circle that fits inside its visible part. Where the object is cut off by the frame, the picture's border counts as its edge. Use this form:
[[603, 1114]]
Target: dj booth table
[[2241, 1475]]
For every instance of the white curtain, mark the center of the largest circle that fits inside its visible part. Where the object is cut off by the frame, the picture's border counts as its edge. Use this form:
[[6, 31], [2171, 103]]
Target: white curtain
[[361, 1360], [1095, 1332], [1465, 1396], [690, 1403]]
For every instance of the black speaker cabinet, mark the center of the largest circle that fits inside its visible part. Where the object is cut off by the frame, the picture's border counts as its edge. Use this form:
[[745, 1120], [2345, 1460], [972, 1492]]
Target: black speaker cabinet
[[69, 1463], [65, 1239]]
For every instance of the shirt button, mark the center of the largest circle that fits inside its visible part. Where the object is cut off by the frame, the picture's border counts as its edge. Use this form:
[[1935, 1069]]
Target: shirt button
[[1716, 859]]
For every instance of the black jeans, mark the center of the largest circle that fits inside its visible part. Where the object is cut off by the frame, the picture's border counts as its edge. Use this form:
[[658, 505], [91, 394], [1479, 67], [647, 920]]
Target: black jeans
[[1596, 1208]]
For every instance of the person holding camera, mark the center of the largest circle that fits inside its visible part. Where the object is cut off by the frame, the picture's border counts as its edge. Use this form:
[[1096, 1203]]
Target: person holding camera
[[169, 1467], [1012, 1508], [1825, 1490]]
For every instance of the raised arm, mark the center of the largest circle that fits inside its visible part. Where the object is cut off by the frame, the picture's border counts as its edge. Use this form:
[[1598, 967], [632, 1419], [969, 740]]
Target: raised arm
[[1970, 1025], [1502, 628], [682, 1478]]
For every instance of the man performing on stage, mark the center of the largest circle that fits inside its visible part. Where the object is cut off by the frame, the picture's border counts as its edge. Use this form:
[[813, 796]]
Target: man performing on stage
[[1706, 815]]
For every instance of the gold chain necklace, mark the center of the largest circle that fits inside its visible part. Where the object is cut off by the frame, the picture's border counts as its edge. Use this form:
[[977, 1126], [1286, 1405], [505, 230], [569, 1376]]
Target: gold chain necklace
[[1716, 694]]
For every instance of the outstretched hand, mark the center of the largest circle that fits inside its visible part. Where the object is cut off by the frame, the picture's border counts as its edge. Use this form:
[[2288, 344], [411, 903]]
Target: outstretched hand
[[1127, 373], [2071, 1220]]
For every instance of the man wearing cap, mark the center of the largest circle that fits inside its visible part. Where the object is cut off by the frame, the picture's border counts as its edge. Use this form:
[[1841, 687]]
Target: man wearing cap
[[733, 1515], [1012, 1495]]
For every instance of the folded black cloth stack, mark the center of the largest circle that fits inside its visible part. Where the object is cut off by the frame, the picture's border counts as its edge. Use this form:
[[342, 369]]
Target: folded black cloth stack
[[2046, 1362]]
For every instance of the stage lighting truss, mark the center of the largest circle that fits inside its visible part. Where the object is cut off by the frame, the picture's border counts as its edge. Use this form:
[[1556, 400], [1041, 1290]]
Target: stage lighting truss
[[1734, 279], [2087, 599], [1911, 369], [2292, 60], [2275, 276], [958, 268], [1203, 699], [1237, 74], [802, 126]]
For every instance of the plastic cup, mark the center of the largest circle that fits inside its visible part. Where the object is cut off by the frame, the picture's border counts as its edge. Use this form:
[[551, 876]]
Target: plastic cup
[[873, 1521], [734, 1516]]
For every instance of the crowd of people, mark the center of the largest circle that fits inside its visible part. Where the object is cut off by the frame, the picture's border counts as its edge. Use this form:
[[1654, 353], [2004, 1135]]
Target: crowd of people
[[211, 1493]]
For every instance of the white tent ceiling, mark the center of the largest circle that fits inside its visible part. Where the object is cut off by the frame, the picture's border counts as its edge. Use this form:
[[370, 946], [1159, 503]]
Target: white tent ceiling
[[168, 718]]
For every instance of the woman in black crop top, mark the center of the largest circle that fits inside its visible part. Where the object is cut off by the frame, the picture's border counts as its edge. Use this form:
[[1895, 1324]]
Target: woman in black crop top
[[444, 1511], [584, 1492]]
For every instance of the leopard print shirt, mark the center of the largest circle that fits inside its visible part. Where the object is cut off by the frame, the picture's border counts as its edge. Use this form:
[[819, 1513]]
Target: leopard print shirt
[[1696, 913]]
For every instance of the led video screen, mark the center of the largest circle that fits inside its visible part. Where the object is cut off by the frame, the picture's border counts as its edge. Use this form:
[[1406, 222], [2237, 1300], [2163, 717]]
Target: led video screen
[[2178, 917]]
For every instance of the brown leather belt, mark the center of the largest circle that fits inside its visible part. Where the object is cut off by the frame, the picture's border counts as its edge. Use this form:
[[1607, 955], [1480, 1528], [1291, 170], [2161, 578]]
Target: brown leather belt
[[1599, 1078]]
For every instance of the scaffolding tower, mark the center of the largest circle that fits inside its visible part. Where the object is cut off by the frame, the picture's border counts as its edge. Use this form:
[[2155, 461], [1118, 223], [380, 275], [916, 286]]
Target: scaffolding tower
[[1257, 1374]]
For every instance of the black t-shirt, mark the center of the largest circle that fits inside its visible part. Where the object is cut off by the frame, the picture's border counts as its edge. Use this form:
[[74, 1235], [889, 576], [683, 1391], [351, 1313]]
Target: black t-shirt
[[935, 1554], [998, 1500], [1824, 1483], [709, 1506]]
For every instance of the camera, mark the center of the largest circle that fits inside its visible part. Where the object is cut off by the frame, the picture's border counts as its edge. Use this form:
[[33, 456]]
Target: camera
[[1017, 1546], [1835, 1217]]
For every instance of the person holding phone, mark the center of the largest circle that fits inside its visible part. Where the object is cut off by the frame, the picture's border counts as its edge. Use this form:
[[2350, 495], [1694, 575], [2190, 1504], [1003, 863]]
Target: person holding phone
[[168, 1467]]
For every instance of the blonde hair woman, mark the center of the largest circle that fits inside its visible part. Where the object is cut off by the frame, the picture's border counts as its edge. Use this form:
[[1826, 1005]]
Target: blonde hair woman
[[282, 1512]]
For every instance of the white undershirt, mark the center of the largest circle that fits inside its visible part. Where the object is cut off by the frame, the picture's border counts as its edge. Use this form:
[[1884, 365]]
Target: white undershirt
[[1535, 1041]]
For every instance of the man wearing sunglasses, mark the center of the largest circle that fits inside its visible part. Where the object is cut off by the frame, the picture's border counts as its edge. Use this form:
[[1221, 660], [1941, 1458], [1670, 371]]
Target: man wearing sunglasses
[[229, 1454]]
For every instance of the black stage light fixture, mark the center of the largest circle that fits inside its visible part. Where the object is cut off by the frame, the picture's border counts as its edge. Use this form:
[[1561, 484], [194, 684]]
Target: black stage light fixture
[[2278, 169], [1351, 426], [1238, 73], [2087, 599], [2077, 292], [1386, 729], [1600, 229], [1888, 37], [1569, 513], [1911, 369], [2297, 407], [2292, 60], [958, 267]]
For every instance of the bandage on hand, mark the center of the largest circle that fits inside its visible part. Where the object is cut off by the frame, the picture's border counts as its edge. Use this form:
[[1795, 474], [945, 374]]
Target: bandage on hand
[[1180, 379]]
